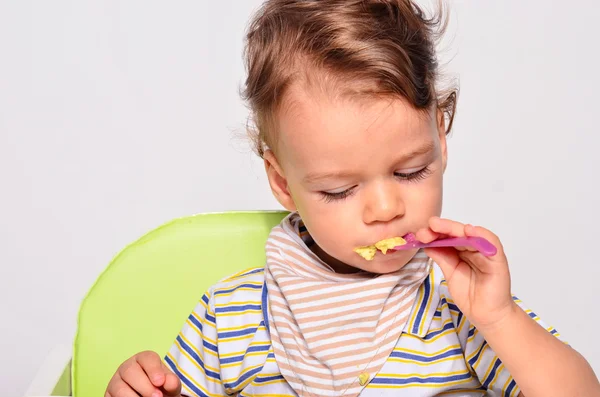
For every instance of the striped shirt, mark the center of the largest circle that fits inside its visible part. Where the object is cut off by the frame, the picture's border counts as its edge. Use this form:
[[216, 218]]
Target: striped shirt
[[224, 347]]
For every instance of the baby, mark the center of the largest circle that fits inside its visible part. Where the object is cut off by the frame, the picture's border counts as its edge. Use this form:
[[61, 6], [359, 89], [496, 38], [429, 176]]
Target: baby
[[351, 123]]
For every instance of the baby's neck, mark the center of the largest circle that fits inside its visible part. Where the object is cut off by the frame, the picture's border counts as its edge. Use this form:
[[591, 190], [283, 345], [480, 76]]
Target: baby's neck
[[337, 266]]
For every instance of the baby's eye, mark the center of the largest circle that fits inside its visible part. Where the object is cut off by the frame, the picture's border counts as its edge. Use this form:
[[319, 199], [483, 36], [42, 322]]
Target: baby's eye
[[413, 176], [337, 195]]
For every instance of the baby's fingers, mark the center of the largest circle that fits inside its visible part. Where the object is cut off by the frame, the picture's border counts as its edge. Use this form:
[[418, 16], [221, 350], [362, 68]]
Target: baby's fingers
[[478, 231], [172, 386], [136, 383], [120, 389], [447, 227], [152, 364]]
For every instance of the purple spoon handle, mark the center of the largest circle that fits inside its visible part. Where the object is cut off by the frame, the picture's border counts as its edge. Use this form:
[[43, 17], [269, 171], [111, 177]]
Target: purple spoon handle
[[478, 243]]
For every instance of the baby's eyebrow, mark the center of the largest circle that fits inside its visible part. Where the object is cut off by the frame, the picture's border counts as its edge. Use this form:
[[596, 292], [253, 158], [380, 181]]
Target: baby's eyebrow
[[320, 176], [425, 148]]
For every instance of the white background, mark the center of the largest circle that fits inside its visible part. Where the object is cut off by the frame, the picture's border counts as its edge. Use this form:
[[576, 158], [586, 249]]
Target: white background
[[118, 116]]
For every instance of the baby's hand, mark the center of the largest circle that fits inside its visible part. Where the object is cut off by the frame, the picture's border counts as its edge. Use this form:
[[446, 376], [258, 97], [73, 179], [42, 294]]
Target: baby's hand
[[144, 375], [479, 285]]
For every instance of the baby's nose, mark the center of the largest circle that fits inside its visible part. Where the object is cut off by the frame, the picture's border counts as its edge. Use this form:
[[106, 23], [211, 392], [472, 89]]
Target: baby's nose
[[383, 203]]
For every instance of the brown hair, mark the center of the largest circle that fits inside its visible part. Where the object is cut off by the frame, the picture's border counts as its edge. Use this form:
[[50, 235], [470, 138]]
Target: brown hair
[[373, 47]]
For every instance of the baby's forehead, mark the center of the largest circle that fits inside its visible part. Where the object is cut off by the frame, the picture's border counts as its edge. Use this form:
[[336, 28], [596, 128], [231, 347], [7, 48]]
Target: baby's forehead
[[317, 127]]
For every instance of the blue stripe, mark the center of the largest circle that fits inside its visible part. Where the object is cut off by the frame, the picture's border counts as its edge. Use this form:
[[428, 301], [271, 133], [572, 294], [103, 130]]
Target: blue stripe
[[235, 334], [185, 380], [476, 357], [459, 318], [532, 315], [262, 269], [240, 358], [196, 357], [426, 359], [471, 332], [414, 379], [238, 308], [453, 307], [423, 305], [242, 378], [264, 303], [553, 331], [492, 374], [437, 313], [210, 319], [510, 388], [195, 321], [210, 346], [226, 291], [205, 299], [433, 334], [268, 379]]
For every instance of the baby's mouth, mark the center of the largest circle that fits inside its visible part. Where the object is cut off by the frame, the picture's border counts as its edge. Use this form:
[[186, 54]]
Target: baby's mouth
[[368, 252]]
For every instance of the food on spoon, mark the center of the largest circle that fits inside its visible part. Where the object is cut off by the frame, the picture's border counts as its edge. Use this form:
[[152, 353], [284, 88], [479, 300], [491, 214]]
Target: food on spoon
[[389, 243], [368, 251]]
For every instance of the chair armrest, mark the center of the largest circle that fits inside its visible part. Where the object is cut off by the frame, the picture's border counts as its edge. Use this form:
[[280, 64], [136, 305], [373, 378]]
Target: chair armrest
[[53, 378]]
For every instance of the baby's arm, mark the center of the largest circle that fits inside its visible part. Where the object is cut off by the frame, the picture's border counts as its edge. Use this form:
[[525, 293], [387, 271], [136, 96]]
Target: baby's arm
[[540, 363]]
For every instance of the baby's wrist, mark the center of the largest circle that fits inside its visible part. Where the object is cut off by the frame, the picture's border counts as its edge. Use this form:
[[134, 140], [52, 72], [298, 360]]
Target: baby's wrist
[[500, 320]]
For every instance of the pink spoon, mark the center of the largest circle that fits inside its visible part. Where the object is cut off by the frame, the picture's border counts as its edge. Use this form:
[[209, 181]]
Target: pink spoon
[[478, 243]]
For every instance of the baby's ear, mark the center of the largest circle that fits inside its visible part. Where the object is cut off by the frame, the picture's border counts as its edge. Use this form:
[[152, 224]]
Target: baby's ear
[[442, 133], [278, 182]]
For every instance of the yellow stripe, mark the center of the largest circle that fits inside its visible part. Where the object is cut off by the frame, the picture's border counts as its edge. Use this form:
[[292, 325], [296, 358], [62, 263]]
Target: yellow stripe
[[238, 363], [241, 386], [188, 377], [204, 349], [432, 340], [242, 273], [247, 311], [238, 328], [423, 354], [227, 304], [191, 359], [454, 391], [271, 382], [489, 370], [237, 338], [426, 364], [421, 385], [480, 356], [239, 289], [413, 316], [429, 300], [236, 286], [421, 376], [188, 390], [239, 353], [500, 367]]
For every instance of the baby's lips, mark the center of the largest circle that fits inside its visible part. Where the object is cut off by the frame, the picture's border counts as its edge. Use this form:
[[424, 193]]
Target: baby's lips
[[410, 237]]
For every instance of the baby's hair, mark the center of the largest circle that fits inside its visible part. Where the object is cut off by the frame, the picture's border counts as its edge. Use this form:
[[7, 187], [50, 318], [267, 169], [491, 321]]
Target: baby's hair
[[380, 48]]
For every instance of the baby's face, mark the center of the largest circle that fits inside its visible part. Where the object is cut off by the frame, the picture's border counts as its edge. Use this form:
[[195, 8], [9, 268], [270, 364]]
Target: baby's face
[[358, 172]]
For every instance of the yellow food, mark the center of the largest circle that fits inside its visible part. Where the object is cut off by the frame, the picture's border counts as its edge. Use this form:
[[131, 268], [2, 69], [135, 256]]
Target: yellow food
[[368, 251], [389, 243]]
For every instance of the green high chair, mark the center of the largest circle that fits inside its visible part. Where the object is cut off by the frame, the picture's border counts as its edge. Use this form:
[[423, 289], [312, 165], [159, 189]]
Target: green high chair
[[141, 301]]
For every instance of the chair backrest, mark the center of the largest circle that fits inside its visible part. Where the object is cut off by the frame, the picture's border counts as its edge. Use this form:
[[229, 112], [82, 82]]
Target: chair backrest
[[141, 301]]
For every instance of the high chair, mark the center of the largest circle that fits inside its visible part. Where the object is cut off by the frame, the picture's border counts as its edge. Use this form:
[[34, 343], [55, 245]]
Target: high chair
[[142, 299]]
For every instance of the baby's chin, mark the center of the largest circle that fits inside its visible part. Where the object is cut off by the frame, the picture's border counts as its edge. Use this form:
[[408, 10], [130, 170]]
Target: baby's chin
[[380, 264], [388, 263]]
